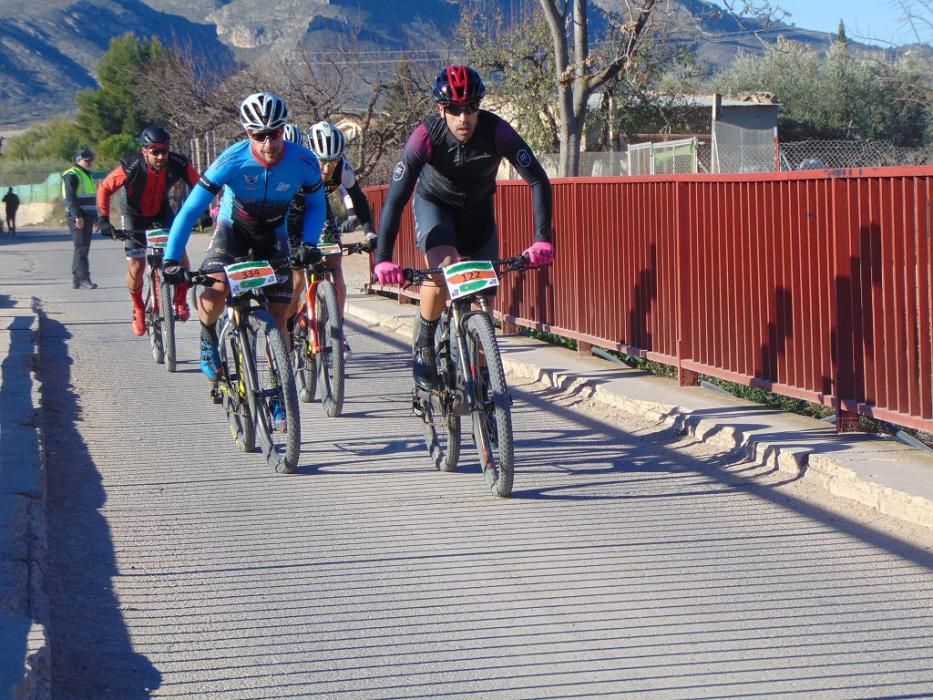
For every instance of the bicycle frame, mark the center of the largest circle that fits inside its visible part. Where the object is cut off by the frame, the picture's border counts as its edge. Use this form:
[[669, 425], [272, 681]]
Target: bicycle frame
[[314, 275], [458, 310], [240, 325]]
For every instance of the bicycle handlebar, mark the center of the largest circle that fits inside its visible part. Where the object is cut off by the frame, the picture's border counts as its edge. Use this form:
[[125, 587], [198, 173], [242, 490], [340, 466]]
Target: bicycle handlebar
[[205, 280], [516, 263], [129, 234]]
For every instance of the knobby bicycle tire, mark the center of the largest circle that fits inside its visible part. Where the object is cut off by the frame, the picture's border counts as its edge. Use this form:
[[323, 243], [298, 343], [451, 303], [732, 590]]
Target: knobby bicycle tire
[[331, 358], [167, 314], [275, 382], [152, 316], [304, 362], [442, 430], [235, 389], [492, 417]]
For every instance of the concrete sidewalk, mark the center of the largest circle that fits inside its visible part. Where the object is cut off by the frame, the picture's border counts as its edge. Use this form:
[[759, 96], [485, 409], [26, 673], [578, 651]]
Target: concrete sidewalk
[[875, 471], [24, 657]]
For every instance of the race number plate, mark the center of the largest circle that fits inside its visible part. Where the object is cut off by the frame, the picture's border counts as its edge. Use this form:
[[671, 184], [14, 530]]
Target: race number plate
[[245, 276], [329, 248], [470, 277], [157, 238]]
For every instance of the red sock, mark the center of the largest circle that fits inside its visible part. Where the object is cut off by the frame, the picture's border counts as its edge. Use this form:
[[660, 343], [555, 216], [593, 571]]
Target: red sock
[[137, 296], [181, 293]]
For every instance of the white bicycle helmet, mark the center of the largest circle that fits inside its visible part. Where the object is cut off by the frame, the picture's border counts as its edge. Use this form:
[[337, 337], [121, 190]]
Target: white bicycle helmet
[[263, 111], [293, 133], [326, 141]]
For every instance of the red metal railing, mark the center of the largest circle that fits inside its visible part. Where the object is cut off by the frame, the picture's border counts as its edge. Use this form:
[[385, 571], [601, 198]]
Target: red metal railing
[[815, 285]]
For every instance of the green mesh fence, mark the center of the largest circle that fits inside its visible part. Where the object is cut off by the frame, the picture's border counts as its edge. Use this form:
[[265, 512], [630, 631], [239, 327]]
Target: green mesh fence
[[48, 191]]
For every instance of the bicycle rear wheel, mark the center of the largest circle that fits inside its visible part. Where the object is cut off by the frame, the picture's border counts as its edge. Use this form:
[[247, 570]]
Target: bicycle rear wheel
[[275, 400], [167, 317], [442, 429], [153, 317], [330, 360], [233, 386], [492, 417]]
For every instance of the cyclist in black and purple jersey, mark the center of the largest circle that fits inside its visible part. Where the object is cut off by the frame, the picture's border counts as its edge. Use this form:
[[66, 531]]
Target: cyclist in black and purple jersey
[[456, 152]]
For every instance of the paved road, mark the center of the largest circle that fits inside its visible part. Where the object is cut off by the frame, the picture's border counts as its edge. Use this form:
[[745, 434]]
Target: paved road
[[630, 560]]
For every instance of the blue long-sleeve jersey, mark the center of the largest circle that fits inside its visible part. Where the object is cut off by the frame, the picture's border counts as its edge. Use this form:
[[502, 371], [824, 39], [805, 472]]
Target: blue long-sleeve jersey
[[256, 198]]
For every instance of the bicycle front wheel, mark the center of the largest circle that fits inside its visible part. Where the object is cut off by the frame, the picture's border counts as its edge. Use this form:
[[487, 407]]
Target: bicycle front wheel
[[233, 386], [304, 361], [153, 316], [167, 315], [278, 429], [331, 359], [492, 414], [442, 430]]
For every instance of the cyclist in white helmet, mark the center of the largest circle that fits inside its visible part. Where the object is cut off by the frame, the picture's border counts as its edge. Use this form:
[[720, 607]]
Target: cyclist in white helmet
[[293, 134], [327, 142], [260, 176]]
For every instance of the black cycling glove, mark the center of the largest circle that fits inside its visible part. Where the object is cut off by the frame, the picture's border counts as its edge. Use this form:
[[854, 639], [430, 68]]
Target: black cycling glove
[[172, 272], [104, 226], [307, 255]]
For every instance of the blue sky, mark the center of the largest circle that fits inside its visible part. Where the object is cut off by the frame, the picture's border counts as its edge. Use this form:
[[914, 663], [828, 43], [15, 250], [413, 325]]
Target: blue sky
[[864, 19]]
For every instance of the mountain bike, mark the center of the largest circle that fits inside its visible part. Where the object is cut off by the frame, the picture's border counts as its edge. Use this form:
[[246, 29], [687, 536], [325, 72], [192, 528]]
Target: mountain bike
[[317, 337], [470, 373], [255, 383], [158, 296]]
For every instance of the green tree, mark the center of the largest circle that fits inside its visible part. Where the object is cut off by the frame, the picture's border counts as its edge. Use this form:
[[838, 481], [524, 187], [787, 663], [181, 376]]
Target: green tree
[[516, 59], [839, 95], [113, 148], [58, 139], [115, 107]]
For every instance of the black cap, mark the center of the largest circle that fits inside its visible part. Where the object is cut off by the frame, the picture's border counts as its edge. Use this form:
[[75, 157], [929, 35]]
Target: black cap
[[84, 154]]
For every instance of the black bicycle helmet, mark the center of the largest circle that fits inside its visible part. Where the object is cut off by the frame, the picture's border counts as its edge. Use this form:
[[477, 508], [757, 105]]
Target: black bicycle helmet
[[458, 84], [154, 136]]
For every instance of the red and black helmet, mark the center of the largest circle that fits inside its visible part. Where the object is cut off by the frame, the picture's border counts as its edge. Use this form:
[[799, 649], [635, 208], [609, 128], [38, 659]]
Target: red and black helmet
[[458, 85]]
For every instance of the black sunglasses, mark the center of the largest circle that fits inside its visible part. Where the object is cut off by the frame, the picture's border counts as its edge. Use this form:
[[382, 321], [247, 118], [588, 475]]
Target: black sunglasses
[[457, 110], [158, 151]]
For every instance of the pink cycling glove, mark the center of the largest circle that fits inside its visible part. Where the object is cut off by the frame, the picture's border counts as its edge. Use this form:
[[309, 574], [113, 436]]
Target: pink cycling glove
[[540, 253], [387, 272]]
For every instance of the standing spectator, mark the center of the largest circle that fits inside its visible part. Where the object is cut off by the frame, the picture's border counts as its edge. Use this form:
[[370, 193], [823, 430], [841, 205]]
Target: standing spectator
[[11, 200], [79, 192]]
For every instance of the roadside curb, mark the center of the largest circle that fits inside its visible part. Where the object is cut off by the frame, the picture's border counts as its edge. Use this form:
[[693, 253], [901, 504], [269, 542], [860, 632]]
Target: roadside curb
[[22, 462], [877, 472]]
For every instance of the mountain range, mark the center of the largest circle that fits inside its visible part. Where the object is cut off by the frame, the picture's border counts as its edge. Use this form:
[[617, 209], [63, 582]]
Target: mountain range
[[50, 49]]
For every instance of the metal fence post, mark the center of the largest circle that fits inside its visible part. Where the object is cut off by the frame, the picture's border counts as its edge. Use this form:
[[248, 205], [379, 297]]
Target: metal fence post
[[684, 311]]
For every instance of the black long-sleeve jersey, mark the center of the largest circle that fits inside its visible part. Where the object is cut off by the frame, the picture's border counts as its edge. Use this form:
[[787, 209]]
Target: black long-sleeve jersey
[[460, 174]]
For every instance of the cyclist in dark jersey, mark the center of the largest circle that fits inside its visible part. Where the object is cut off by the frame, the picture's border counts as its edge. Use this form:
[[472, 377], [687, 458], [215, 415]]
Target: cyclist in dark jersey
[[259, 176], [146, 179], [456, 152]]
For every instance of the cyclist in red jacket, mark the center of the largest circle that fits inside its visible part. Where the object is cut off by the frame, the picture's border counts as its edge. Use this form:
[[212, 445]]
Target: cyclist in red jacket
[[146, 179]]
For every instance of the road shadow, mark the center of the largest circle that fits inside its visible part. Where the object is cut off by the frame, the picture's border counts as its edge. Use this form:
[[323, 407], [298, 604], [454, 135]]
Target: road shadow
[[20, 496], [92, 652], [596, 447]]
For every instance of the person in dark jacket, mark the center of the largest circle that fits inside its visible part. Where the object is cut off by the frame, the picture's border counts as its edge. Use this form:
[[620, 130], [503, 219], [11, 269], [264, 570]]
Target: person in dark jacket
[[11, 201], [79, 193]]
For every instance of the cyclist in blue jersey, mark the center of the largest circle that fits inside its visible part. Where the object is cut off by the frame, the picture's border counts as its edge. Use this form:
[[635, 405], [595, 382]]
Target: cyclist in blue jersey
[[453, 157], [259, 176]]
